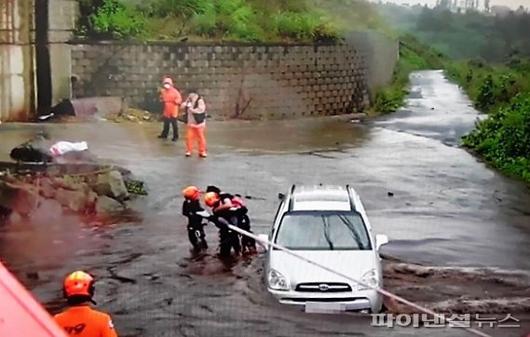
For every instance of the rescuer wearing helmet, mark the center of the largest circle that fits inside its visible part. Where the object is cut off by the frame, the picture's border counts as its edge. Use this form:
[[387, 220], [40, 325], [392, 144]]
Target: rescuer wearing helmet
[[191, 208], [238, 215], [80, 320], [222, 217]]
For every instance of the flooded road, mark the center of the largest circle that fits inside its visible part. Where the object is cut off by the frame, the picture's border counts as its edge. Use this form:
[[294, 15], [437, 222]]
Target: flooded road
[[444, 209]]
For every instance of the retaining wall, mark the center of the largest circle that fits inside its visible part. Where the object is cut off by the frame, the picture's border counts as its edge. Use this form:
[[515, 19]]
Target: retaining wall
[[253, 81]]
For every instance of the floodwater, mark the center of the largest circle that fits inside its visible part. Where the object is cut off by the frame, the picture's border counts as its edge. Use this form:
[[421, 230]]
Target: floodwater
[[445, 209]]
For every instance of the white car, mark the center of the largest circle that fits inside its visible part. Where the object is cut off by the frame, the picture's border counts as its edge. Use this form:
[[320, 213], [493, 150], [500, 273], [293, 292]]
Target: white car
[[327, 225]]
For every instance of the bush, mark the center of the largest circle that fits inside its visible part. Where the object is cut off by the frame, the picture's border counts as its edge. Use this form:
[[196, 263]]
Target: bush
[[240, 20], [504, 137], [117, 20]]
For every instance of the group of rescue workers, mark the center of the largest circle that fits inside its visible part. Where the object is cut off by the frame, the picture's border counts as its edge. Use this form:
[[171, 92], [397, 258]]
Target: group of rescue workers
[[192, 112], [227, 209], [81, 320]]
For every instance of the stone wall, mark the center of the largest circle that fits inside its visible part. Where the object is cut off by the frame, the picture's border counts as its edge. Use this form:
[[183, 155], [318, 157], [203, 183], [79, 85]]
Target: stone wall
[[237, 80], [381, 54]]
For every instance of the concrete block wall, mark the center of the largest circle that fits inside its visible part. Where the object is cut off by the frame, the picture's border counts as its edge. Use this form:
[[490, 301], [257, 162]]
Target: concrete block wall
[[381, 53], [270, 81]]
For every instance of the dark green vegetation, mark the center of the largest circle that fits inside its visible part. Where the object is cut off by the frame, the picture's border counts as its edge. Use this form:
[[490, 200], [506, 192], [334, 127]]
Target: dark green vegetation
[[489, 57], [503, 91], [226, 20], [232, 20], [464, 36]]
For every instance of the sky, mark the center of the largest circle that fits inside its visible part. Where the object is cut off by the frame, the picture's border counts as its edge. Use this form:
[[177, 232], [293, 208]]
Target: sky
[[511, 3]]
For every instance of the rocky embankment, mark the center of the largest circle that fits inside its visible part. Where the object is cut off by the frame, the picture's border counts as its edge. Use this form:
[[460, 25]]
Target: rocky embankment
[[85, 189]]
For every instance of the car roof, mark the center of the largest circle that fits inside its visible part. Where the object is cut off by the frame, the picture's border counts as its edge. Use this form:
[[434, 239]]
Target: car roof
[[321, 198]]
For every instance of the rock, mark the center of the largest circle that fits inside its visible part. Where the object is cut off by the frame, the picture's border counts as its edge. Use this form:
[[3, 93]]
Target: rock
[[21, 198], [76, 201], [132, 118], [390, 194], [47, 189], [112, 185], [105, 205], [4, 214], [32, 275], [15, 217]]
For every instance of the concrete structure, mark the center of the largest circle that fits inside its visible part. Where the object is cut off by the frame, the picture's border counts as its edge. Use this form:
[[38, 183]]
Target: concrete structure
[[34, 54], [381, 54], [253, 81], [17, 60], [38, 63]]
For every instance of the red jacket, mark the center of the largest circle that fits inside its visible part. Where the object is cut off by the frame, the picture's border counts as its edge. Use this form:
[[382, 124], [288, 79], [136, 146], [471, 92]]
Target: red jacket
[[172, 99]]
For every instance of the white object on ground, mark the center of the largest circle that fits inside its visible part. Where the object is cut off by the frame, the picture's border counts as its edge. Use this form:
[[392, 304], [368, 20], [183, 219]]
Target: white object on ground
[[60, 148]]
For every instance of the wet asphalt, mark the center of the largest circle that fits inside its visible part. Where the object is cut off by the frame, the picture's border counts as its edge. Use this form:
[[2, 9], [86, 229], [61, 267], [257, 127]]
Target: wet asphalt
[[439, 205]]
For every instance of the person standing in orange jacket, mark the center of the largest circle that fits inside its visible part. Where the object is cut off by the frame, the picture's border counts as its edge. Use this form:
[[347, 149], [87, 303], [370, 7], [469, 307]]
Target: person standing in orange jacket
[[80, 320], [195, 108], [172, 100]]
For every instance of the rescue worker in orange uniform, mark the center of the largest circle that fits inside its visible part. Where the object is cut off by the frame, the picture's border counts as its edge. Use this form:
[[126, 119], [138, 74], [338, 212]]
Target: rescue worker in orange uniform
[[239, 212], [195, 108], [80, 320], [192, 209], [172, 100], [222, 217]]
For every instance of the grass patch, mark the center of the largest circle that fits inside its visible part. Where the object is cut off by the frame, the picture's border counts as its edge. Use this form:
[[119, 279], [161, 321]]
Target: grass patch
[[212, 20], [502, 91]]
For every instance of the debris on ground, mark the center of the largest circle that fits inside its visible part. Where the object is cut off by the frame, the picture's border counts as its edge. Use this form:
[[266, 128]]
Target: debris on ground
[[41, 149], [65, 173], [132, 115], [457, 289]]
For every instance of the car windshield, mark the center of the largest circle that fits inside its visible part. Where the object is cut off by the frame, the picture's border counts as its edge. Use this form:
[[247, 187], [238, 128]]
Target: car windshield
[[323, 231]]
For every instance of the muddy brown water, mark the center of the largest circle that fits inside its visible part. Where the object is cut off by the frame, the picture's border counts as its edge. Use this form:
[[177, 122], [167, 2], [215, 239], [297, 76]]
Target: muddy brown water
[[447, 210]]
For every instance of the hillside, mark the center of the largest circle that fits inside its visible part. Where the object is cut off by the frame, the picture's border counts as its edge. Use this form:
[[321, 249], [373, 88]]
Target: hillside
[[464, 35], [226, 20]]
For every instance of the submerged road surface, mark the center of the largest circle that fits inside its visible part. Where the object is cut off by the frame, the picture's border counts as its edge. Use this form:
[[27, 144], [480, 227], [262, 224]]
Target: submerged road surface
[[445, 209]]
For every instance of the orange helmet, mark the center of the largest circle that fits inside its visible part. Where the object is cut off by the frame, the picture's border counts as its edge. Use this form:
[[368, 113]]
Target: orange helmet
[[78, 283], [191, 192], [211, 198]]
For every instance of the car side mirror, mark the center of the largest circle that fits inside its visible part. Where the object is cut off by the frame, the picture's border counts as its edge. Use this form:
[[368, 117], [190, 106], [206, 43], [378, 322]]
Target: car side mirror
[[281, 196], [263, 240], [380, 240]]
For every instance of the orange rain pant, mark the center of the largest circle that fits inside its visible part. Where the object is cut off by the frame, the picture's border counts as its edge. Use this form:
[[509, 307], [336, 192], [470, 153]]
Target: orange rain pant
[[195, 135]]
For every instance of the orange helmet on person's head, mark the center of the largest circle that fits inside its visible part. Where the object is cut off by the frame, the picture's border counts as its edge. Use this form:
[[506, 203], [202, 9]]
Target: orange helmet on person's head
[[191, 193], [211, 198], [78, 283]]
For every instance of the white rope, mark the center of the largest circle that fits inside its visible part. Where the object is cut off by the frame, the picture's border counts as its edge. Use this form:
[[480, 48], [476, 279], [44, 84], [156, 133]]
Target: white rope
[[381, 291]]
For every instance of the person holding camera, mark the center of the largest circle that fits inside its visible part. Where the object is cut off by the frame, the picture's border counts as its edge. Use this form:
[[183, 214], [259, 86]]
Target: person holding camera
[[195, 119]]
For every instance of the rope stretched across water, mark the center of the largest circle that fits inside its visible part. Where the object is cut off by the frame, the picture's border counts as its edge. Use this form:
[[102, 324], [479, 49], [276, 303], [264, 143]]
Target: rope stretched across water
[[381, 291]]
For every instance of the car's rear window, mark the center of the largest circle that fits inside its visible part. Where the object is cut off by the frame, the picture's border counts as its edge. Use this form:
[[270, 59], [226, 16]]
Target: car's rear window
[[323, 231]]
